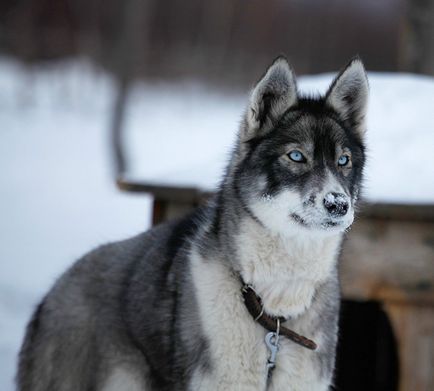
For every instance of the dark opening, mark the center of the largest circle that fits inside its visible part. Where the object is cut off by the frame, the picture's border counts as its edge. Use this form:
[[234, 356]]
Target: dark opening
[[367, 357]]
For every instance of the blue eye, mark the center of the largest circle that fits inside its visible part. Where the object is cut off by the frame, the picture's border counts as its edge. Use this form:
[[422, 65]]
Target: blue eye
[[343, 160], [296, 156]]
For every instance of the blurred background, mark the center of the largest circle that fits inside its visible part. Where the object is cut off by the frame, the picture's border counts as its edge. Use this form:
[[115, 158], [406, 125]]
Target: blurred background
[[118, 114]]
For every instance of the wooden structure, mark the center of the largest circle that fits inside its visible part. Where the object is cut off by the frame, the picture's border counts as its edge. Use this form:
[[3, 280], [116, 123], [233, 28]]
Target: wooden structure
[[388, 257]]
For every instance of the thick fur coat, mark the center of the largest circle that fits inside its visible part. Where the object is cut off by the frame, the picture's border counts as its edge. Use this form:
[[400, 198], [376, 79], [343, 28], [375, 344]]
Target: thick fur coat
[[164, 310]]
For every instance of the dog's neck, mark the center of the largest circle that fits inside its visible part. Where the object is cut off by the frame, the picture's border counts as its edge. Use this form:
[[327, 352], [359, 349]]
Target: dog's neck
[[284, 271]]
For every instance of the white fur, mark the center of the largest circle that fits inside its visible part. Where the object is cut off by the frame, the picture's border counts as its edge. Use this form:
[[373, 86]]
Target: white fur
[[285, 272], [237, 349], [275, 212], [295, 370], [123, 379], [285, 261]]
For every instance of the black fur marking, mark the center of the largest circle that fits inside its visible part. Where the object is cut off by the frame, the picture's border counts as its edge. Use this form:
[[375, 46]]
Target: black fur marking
[[267, 102], [153, 300], [184, 230], [311, 200], [238, 192], [298, 219], [218, 213], [253, 144]]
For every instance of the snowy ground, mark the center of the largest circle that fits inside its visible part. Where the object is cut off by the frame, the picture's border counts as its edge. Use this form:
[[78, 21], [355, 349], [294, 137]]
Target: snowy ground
[[56, 191], [57, 195]]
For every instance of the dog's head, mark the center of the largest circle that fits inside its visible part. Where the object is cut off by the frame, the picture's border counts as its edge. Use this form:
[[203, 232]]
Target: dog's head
[[300, 159]]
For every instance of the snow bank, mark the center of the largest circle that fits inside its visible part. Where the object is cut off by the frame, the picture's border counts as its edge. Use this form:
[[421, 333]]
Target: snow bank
[[400, 136], [57, 195], [186, 132]]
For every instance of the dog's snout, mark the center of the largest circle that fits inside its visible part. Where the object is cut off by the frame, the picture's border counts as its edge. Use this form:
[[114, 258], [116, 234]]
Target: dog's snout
[[336, 204]]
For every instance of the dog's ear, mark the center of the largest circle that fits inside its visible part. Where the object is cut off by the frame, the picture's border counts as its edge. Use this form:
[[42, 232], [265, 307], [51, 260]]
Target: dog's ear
[[348, 95], [270, 98]]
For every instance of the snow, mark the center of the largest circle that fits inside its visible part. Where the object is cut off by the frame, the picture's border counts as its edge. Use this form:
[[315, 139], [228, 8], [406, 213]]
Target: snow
[[187, 129], [400, 137], [57, 194], [334, 198], [192, 130]]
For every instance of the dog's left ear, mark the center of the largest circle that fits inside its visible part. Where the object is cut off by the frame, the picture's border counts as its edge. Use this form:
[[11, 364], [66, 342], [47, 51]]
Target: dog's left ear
[[348, 95], [275, 93]]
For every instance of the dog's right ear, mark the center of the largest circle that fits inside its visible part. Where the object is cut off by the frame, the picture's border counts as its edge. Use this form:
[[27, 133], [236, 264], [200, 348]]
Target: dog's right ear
[[275, 93], [348, 95]]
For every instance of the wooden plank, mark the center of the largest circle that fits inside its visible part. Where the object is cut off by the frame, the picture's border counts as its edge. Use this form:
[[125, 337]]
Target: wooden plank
[[419, 212], [159, 211], [164, 210], [384, 259], [414, 332], [167, 193]]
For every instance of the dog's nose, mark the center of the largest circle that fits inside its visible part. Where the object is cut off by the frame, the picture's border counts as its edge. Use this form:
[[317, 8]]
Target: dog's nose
[[336, 204]]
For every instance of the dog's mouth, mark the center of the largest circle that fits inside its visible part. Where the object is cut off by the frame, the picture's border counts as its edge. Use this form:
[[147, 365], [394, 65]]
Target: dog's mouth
[[330, 224], [326, 224]]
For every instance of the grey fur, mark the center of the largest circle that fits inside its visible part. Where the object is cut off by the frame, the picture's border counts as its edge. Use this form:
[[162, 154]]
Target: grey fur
[[104, 311], [133, 305]]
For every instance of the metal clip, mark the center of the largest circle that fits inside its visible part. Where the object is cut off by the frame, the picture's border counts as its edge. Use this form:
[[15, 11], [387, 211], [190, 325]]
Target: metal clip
[[272, 342]]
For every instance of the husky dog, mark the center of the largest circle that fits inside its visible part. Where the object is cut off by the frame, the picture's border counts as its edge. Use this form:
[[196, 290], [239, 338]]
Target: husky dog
[[165, 310]]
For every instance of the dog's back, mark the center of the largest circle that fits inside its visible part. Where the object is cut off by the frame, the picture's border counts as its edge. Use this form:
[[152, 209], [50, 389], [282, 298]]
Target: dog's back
[[110, 315]]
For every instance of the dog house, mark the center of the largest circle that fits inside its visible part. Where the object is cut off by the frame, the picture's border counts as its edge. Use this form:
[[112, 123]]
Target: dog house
[[387, 266]]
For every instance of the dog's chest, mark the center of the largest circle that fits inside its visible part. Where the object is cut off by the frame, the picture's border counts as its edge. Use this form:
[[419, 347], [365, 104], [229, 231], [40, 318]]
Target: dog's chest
[[264, 256], [284, 272], [236, 342]]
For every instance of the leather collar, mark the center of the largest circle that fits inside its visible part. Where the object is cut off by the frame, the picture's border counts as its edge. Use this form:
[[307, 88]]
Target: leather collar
[[255, 307]]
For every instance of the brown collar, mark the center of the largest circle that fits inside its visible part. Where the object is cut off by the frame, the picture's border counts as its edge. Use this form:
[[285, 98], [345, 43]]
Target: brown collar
[[254, 305]]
